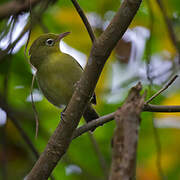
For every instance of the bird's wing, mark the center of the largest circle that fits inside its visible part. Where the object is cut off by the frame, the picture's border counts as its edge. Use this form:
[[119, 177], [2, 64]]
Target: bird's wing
[[93, 99]]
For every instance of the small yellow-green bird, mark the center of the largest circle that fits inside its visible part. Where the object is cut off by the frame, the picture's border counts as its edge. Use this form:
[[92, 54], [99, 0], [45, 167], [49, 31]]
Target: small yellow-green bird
[[57, 72]]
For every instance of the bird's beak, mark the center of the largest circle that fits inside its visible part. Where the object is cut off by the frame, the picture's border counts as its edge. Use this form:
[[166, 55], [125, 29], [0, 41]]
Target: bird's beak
[[62, 35]]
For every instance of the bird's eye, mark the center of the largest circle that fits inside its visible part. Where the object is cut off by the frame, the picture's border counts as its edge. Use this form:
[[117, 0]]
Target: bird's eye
[[50, 42]]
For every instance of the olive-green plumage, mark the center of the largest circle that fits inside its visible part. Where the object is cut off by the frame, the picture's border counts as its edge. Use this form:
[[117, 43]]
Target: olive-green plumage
[[57, 72]]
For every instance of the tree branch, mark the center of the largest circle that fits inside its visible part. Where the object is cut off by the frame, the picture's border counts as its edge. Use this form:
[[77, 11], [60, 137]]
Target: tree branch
[[107, 118], [100, 157], [12, 116], [29, 25], [11, 46], [149, 43], [102, 47], [93, 124], [158, 150], [162, 89], [123, 166], [4, 157], [84, 19], [16, 7], [169, 27], [157, 108]]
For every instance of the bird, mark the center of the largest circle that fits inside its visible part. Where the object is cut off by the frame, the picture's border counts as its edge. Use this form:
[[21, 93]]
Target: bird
[[57, 73]]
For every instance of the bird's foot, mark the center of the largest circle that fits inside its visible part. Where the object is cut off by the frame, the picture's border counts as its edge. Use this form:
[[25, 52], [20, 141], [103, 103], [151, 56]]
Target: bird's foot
[[63, 114]]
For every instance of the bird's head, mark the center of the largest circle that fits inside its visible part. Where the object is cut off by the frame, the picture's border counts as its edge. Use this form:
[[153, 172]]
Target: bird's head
[[43, 46]]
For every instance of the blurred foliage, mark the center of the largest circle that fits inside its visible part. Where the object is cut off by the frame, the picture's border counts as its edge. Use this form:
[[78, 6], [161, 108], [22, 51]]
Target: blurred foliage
[[125, 67]]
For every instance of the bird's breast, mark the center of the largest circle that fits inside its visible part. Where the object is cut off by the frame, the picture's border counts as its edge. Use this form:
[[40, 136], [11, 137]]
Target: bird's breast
[[57, 81]]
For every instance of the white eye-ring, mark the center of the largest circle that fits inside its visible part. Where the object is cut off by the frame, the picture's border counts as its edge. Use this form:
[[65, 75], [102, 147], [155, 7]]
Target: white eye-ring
[[50, 42]]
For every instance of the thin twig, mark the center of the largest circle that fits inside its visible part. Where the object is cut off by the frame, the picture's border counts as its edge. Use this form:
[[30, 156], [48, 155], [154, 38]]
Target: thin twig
[[169, 27], [149, 77], [109, 117], [3, 161], [34, 107], [33, 78], [159, 150], [15, 7], [149, 43], [27, 28], [158, 108], [12, 117], [3, 128], [12, 45], [84, 19], [163, 89], [23, 134], [93, 124], [102, 161]]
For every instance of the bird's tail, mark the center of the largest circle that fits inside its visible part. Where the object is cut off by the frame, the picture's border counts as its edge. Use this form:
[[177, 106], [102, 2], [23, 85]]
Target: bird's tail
[[90, 114]]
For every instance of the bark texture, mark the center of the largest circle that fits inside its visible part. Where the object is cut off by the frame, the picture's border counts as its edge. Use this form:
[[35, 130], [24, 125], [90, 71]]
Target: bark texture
[[125, 138], [102, 47], [16, 7]]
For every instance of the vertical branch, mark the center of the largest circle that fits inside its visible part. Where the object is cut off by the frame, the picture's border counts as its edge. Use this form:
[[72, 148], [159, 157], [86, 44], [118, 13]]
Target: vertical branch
[[11, 114], [174, 41], [158, 149], [3, 128], [3, 162], [149, 42], [125, 138], [169, 27], [101, 50], [84, 19], [34, 107], [23, 135], [11, 46], [102, 161]]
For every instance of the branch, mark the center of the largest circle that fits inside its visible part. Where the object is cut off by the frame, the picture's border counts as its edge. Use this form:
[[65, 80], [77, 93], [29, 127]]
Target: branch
[[157, 108], [93, 124], [102, 47], [11, 46], [149, 43], [169, 27], [100, 157], [123, 166], [107, 118], [158, 151], [29, 25], [162, 89], [12, 116], [16, 7], [84, 19], [4, 157]]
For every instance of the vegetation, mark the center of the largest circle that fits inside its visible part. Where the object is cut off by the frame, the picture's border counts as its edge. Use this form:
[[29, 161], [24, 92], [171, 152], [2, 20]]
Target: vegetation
[[148, 52]]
